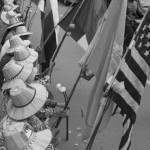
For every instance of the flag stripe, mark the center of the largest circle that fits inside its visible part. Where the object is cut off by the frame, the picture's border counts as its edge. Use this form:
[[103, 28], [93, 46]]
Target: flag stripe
[[124, 119], [136, 69], [129, 87], [140, 61], [116, 109], [124, 106], [131, 102], [126, 138], [129, 146], [132, 78]]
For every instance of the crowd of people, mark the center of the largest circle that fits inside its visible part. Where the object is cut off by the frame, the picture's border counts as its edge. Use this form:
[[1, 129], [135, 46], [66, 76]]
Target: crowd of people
[[29, 114]]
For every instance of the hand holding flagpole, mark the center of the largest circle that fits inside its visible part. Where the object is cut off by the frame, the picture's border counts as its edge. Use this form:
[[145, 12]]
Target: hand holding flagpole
[[63, 90]]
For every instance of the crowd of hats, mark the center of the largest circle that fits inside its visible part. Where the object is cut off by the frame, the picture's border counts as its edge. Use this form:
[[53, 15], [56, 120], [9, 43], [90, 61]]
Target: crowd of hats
[[25, 99]]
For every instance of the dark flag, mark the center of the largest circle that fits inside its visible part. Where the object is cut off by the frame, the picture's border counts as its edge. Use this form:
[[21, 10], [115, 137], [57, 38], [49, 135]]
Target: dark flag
[[131, 79], [86, 21], [47, 26], [47, 23]]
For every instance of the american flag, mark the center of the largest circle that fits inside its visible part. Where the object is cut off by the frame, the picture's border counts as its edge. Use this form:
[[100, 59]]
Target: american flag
[[131, 79]]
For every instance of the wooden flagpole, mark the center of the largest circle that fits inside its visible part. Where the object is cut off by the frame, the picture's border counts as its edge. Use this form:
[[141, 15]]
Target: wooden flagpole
[[70, 96]]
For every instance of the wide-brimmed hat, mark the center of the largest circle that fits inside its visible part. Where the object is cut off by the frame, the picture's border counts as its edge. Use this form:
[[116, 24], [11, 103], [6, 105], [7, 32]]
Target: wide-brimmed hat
[[8, 85], [20, 136], [24, 55], [22, 30], [13, 22], [16, 42], [13, 70], [26, 101], [7, 15], [12, 44]]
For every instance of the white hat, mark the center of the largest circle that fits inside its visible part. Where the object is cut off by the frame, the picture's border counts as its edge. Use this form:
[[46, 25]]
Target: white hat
[[23, 55], [12, 83], [22, 30], [12, 44], [20, 136], [13, 70], [26, 101], [15, 42], [13, 22]]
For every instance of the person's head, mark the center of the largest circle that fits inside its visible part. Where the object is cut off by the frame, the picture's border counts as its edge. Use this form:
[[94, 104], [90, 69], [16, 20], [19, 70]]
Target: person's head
[[24, 55], [21, 136], [26, 101], [13, 70], [22, 31]]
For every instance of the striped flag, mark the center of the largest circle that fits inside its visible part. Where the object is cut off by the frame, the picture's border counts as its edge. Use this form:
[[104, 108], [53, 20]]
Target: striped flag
[[131, 79], [86, 21]]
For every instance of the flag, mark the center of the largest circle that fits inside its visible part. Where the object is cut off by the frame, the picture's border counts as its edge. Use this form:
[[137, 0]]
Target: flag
[[49, 19], [54, 7], [131, 79], [47, 23], [100, 55], [86, 21]]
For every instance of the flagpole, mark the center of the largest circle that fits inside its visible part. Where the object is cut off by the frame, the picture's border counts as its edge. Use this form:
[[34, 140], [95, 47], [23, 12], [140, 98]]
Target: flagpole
[[104, 105], [105, 100], [69, 97], [52, 61]]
